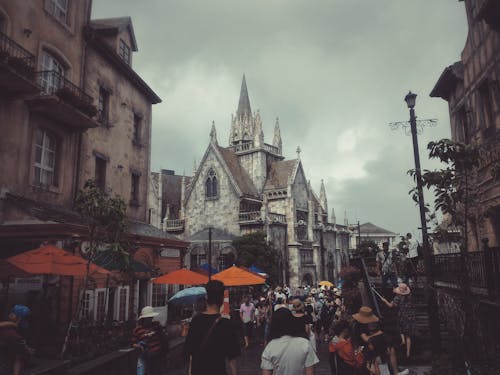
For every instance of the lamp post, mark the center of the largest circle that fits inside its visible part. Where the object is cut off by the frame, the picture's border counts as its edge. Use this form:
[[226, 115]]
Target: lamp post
[[410, 100], [209, 262]]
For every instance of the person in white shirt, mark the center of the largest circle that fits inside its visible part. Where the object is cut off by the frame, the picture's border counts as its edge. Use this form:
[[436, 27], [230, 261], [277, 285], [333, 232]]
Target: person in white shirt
[[287, 353], [411, 259]]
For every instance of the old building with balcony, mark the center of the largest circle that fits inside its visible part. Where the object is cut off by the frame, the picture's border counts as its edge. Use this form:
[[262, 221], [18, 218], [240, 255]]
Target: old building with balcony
[[471, 86], [249, 186], [71, 109]]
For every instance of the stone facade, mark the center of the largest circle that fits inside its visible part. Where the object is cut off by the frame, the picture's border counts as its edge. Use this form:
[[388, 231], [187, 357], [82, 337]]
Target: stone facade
[[248, 186], [471, 87], [72, 109]]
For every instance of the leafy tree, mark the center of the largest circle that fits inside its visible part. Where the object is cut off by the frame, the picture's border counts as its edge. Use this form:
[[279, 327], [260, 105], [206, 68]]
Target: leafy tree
[[253, 249]]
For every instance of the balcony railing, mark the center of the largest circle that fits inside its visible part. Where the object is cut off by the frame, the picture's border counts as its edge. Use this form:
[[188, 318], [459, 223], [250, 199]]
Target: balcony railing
[[18, 58], [272, 149], [174, 224], [277, 218], [242, 147], [54, 83], [250, 217], [483, 269]]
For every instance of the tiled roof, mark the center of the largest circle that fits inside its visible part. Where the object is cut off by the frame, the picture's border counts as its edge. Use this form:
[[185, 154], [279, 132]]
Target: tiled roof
[[239, 174], [369, 228], [279, 174]]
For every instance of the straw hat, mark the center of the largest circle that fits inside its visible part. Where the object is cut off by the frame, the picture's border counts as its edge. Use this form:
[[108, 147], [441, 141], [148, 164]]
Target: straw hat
[[365, 315], [148, 312], [402, 289]]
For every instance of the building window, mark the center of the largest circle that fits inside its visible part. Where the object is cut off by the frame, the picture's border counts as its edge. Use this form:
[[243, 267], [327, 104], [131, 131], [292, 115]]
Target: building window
[[87, 305], [462, 129], [306, 257], [59, 9], [134, 188], [101, 304], [223, 259], [198, 260], [53, 72], [122, 303], [45, 158], [486, 105], [124, 51], [211, 186], [100, 172], [103, 106], [158, 295], [137, 129]]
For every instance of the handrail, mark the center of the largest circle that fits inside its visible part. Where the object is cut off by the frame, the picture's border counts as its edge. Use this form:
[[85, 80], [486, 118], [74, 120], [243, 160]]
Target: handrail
[[54, 83], [13, 50]]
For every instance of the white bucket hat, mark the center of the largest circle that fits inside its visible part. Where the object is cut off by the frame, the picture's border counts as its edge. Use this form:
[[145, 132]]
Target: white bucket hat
[[148, 312]]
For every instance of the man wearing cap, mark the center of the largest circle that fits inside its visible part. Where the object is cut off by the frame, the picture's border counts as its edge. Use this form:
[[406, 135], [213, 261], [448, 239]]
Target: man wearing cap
[[14, 352], [147, 338]]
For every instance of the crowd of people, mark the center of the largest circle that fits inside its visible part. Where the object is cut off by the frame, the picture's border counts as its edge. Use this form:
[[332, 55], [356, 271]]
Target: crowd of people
[[291, 325]]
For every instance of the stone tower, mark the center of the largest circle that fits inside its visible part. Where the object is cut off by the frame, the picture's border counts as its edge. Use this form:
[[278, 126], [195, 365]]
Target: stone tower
[[246, 139]]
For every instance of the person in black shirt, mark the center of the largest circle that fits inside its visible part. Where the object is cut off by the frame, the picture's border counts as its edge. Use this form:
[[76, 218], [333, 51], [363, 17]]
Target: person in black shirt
[[211, 339]]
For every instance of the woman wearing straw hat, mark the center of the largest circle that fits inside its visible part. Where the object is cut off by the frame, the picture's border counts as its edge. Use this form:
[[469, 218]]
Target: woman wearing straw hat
[[406, 314]]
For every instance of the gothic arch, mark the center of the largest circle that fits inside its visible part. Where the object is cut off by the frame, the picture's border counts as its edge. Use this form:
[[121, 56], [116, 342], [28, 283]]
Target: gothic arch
[[211, 184]]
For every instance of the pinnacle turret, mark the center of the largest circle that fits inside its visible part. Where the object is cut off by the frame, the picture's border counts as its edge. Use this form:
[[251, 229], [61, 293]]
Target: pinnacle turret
[[213, 134], [277, 142], [244, 103], [322, 197]]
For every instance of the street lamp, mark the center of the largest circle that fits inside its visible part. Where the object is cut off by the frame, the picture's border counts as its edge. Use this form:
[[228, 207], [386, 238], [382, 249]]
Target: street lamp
[[410, 100]]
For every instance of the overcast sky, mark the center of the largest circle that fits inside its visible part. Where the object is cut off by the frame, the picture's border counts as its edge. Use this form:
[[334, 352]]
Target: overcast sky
[[334, 71]]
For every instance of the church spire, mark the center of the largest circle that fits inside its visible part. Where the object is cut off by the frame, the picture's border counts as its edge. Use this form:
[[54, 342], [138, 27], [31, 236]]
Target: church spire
[[277, 135], [322, 197], [334, 218], [244, 103]]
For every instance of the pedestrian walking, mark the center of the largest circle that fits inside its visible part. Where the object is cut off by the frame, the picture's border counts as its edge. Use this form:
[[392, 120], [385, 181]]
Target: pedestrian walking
[[406, 314], [147, 339], [211, 340], [344, 359], [287, 353], [385, 266], [247, 314], [14, 352]]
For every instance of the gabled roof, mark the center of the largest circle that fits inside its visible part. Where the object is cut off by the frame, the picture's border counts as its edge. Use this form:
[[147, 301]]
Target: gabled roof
[[448, 81], [113, 25], [239, 174], [280, 174], [369, 228]]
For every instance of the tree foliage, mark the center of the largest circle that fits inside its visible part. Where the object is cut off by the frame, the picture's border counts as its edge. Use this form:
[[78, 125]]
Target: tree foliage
[[106, 220], [253, 249]]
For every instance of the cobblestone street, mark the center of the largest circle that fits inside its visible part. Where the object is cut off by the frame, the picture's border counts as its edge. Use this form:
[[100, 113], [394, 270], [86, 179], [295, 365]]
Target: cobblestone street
[[249, 363]]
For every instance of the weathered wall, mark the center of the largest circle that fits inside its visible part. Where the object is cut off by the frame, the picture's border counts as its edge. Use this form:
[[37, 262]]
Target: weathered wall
[[222, 212]]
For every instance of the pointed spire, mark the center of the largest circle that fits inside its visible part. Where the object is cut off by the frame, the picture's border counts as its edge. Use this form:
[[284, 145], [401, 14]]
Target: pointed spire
[[259, 132], [213, 134], [334, 218], [346, 220], [244, 103], [322, 197], [277, 142], [298, 152]]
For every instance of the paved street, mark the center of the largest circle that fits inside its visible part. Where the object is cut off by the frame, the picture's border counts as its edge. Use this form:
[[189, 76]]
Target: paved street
[[249, 363]]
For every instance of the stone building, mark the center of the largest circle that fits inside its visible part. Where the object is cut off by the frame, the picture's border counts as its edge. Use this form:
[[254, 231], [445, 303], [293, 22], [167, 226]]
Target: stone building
[[472, 89], [371, 232], [71, 109], [249, 186]]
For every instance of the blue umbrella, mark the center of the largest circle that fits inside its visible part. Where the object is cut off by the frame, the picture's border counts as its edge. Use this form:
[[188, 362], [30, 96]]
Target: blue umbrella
[[256, 270], [188, 296], [205, 267]]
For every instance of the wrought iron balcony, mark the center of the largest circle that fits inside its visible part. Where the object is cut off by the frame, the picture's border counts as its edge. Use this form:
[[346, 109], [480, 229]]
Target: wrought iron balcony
[[250, 217], [174, 225], [17, 68], [64, 101]]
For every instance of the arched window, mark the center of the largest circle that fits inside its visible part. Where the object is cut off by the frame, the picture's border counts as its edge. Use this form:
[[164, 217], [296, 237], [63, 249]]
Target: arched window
[[45, 158], [53, 72], [211, 185]]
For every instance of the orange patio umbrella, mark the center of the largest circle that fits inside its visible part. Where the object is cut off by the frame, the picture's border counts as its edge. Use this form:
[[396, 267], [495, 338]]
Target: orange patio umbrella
[[235, 276], [182, 277], [51, 260]]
